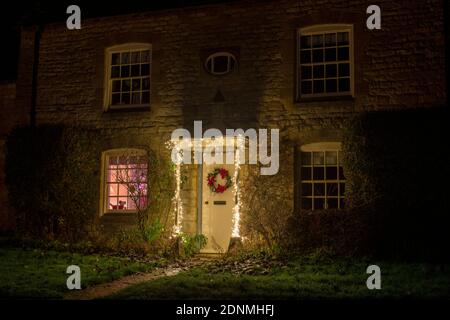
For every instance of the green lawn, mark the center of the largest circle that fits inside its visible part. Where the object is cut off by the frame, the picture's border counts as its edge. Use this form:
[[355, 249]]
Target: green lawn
[[300, 279], [35, 273]]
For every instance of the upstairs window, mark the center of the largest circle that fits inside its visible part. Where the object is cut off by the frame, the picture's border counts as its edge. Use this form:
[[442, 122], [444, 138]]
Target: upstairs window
[[129, 74], [325, 55], [322, 177], [220, 63]]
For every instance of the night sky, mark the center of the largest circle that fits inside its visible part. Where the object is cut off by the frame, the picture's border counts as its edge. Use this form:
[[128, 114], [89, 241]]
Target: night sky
[[13, 14]]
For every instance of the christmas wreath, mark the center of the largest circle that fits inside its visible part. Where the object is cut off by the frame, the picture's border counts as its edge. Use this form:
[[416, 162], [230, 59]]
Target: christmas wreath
[[216, 187]]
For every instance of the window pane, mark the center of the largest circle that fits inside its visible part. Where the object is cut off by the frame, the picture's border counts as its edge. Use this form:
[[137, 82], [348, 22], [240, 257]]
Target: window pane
[[317, 41], [125, 57], [343, 53], [135, 57], [331, 173], [318, 173], [136, 98], [125, 71], [332, 189], [115, 72], [220, 64], [344, 69], [305, 56], [306, 173], [135, 70], [331, 157], [344, 85], [332, 203], [125, 85], [305, 42], [331, 70], [342, 38], [330, 39], [113, 189], [318, 71], [145, 83], [330, 54], [306, 72], [319, 86], [125, 98], [115, 59], [318, 158], [306, 189], [319, 203], [341, 203], [145, 69], [136, 84], [319, 189], [331, 85], [318, 55]]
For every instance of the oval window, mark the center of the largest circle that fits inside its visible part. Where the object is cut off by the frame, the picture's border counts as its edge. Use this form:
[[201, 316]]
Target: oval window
[[220, 63]]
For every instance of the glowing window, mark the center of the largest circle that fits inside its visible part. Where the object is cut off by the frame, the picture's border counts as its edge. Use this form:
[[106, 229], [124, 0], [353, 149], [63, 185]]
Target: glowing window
[[126, 182]]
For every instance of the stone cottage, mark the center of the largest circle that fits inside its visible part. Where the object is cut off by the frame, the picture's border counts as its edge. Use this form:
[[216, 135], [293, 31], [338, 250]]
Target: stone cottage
[[302, 67]]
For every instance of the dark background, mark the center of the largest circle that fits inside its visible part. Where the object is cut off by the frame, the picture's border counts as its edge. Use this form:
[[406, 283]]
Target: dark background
[[14, 14]]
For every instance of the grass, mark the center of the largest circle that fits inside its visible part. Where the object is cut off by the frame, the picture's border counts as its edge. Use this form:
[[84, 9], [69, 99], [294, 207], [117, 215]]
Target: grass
[[300, 279], [41, 274]]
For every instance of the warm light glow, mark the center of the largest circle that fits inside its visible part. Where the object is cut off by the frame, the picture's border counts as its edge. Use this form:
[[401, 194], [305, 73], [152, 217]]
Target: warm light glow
[[237, 191], [177, 201]]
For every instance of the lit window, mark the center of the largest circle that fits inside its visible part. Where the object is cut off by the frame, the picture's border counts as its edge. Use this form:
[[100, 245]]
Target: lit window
[[129, 76], [322, 177], [220, 63], [126, 181], [325, 61]]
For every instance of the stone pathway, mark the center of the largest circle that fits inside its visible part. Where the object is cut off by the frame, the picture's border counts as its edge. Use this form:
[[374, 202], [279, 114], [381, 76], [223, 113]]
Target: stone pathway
[[106, 289]]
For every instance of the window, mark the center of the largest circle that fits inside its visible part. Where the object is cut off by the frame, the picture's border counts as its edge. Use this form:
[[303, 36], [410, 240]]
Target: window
[[322, 177], [325, 61], [129, 70], [220, 63], [126, 181]]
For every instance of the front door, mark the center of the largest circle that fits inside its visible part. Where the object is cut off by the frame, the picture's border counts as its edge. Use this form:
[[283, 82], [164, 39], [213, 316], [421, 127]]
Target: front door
[[217, 211]]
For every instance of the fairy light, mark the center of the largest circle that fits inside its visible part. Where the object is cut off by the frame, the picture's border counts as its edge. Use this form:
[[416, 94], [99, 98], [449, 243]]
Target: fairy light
[[176, 200], [237, 193]]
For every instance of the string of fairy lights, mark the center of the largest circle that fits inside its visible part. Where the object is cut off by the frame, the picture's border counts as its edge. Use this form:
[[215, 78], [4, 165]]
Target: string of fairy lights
[[178, 147]]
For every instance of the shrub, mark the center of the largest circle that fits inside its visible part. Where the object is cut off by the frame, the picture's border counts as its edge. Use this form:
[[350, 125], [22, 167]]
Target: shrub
[[396, 163], [52, 175]]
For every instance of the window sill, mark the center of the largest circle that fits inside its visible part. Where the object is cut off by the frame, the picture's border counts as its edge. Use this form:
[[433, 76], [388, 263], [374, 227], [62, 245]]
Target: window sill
[[120, 214], [137, 108], [348, 97]]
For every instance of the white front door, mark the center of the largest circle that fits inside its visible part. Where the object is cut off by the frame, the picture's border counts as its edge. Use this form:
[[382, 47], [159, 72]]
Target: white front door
[[217, 211]]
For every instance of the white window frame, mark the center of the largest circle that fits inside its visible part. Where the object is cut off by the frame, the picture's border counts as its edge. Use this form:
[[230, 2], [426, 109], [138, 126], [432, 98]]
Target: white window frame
[[104, 205], [108, 81], [218, 54], [320, 29], [322, 147]]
